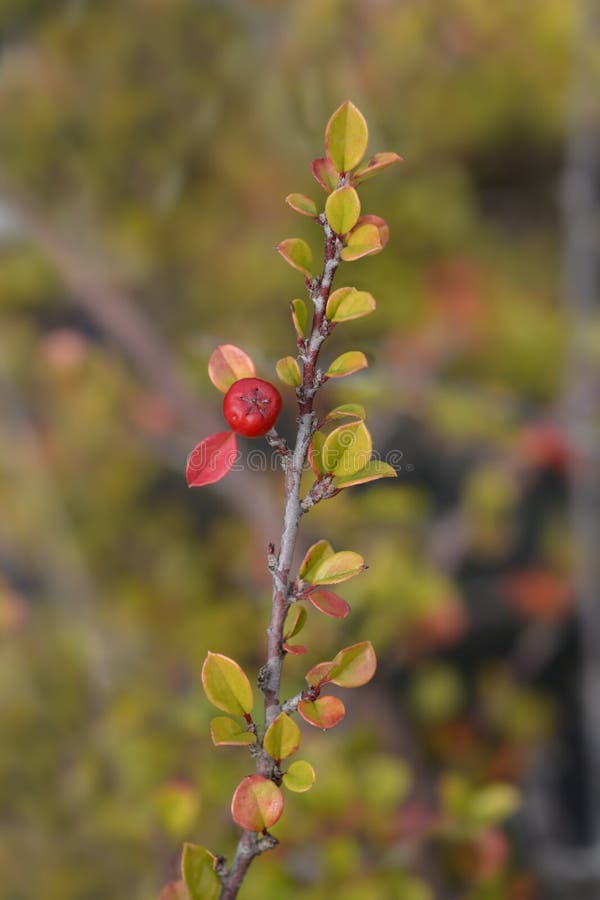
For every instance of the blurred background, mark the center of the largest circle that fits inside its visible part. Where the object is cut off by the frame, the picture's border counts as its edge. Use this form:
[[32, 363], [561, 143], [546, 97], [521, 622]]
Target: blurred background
[[146, 148]]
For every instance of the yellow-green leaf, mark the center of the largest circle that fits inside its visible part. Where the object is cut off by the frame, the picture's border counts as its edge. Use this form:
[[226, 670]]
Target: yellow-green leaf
[[227, 732], [314, 556], [294, 621], [299, 777], [354, 666], [342, 209], [227, 365], [347, 303], [302, 204], [339, 567], [347, 364], [493, 803], [347, 449], [363, 241], [347, 411], [288, 371], [299, 317], [315, 453], [226, 685], [197, 868], [325, 173], [282, 737], [374, 470], [376, 164], [346, 137], [298, 254]]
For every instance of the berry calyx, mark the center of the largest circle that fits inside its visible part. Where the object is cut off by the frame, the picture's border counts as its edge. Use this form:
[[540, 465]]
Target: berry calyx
[[251, 406]]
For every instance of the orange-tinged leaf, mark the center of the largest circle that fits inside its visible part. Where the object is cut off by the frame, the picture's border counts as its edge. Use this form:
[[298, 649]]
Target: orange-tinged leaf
[[325, 712], [347, 411], [375, 165], [227, 365], [257, 803], [197, 868], [299, 317], [297, 253], [347, 303], [347, 449], [294, 649], [226, 684], [211, 459], [319, 674], [325, 173], [302, 204], [294, 621], [226, 732], [299, 777], [346, 137], [380, 224], [329, 603], [364, 240], [354, 666], [342, 209], [347, 364], [288, 371], [315, 554], [175, 890], [374, 470], [339, 567], [282, 737]]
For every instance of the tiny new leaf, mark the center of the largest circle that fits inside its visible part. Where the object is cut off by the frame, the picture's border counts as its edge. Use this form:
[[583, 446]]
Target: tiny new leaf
[[257, 803], [299, 316], [329, 603], [228, 364], [346, 411], [346, 137], [325, 712], [197, 868], [298, 254], [226, 732], [364, 240], [347, 303], [325, 173], [374, 470], [299, 777], [294, 649], [376, 164], [226, 685], [282, 737], [302, 204], [354, 666], [342, 209], [211, 459], [347, 449], [347, 364], [288, 371]]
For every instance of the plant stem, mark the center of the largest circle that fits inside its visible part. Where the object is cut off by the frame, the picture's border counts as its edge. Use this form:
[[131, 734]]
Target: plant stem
[[250, 844]]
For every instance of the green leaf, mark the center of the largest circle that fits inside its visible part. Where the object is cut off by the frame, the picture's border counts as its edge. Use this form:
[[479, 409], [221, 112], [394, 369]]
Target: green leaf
[[346, 137], [282, 737], [298, 254], [325, 173], [197, 868], [315, 555], [299, 777], [375, 165], [299, 317], [227, 365], [354, 666], [347, 364], [288, 371], [339, 567], [346, 411], [302, 204], [257, 803], [374, 470], [347, 303], [226, 685], [342, 209], [347, 449], [294, 621], [226, 732], [325, 712], [315, 452], [364, 240]]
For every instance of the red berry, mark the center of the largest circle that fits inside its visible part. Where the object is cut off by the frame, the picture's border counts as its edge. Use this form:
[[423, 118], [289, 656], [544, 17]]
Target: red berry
[[251, 406]]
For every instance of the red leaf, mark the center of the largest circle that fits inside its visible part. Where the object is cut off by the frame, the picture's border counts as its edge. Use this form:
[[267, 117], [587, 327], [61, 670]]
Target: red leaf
[[295, 649], [257, 803], [329, 603], [326, 712], [325, 173], [211, 459]]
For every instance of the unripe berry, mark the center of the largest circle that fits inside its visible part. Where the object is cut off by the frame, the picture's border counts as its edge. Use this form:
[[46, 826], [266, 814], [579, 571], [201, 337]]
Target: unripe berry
[[251, 406]]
